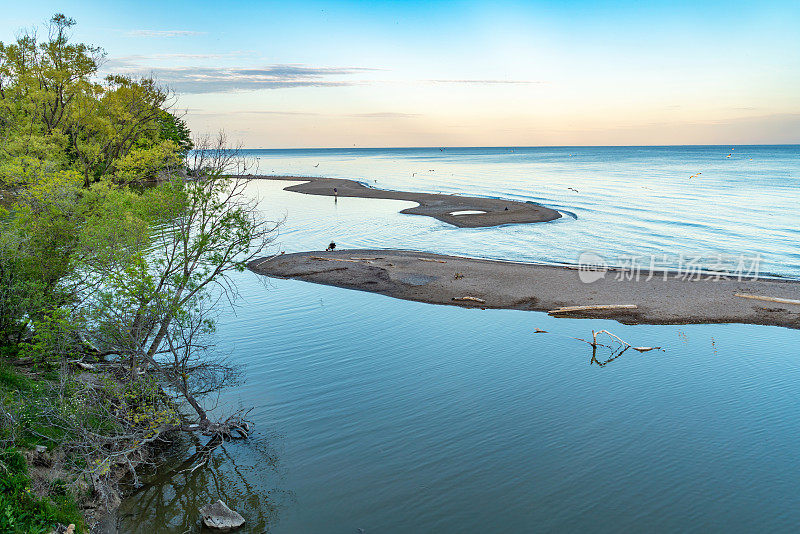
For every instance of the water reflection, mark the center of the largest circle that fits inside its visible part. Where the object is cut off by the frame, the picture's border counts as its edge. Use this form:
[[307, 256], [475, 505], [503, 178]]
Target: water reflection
[[245, 475], [615, 353]]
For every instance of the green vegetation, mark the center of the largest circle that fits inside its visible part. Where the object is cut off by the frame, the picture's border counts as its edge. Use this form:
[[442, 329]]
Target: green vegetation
[[21, 510], [24, 508], [106, 285]]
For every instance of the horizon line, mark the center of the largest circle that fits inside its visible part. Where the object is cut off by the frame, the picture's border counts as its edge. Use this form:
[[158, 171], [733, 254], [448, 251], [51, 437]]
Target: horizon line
[[524, 146]]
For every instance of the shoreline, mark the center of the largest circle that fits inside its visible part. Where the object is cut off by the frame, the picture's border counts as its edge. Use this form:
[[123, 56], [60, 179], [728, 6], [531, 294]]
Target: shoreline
[[666, 298], [496, 211]]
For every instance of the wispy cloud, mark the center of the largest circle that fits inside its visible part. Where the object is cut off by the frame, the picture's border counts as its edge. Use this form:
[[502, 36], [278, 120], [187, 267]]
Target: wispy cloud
[[163, 33], [384, 115], [196, 80], [256, 112], [487, 82]]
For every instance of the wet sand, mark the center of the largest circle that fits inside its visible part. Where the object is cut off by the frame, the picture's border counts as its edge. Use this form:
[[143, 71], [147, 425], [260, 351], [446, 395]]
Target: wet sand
[[441, 207], [439, 279]]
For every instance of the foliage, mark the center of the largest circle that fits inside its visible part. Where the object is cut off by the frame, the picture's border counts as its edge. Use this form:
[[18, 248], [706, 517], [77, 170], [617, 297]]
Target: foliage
[[93, 265], [173, 128], [56, 115], [21, 510]]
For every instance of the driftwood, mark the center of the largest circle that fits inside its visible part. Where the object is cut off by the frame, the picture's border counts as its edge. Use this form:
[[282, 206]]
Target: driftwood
[[469, 299], [620, 340], [768, 299], [432, 260], [364, 259], [567, 309], [320, 258], [539, 331], [309, 273]]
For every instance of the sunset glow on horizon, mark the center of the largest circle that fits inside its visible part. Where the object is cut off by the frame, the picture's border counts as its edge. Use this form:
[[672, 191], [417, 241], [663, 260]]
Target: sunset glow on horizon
[[378, 74]]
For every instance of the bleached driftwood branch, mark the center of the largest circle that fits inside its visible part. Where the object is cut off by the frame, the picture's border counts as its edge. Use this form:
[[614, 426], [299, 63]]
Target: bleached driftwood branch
[[767, 299], [469, 299], [567, 309]]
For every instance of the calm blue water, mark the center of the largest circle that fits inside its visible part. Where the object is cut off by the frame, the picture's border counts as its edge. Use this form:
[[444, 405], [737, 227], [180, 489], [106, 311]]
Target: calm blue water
[[392, 416], [631, 200]]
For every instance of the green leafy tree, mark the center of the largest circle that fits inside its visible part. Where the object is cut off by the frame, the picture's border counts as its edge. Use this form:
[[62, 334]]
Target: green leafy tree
[[55, 115]]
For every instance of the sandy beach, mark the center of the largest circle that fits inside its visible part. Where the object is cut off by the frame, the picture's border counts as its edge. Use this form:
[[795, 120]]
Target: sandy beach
[[439, 279], [442, 207]]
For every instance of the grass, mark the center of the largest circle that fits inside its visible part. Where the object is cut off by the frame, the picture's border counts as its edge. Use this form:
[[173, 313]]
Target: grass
[[21, 510]]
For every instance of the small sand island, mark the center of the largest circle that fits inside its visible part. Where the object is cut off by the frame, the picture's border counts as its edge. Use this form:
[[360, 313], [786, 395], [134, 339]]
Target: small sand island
[[461, 211], [665, 298]]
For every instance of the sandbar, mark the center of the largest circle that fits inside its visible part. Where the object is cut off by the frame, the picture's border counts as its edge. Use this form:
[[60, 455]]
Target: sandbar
[[491, 211], [663, 298]]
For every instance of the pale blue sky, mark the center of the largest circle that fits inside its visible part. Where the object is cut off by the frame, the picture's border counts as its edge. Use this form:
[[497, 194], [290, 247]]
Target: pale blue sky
[[459, 73]]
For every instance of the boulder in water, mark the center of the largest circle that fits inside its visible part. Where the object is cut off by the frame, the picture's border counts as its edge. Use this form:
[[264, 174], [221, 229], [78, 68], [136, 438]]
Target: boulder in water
[[219, 517]]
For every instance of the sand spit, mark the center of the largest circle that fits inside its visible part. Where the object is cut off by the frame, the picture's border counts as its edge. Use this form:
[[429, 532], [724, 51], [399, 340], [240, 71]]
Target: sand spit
[[490, 211], [476, 283]]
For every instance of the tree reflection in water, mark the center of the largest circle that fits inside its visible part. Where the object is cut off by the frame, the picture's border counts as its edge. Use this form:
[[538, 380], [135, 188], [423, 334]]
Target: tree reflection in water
[[242, 474]]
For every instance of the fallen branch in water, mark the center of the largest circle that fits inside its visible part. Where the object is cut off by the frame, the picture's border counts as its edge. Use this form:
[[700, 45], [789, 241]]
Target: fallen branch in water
[[567, 309], [469, 299], [768, 299], [620, 340]]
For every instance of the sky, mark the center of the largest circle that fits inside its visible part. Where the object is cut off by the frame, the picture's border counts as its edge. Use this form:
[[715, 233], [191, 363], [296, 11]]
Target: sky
[[382, 74]]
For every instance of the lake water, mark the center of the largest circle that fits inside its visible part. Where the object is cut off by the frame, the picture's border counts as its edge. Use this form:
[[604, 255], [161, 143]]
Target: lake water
[[392, 416]]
